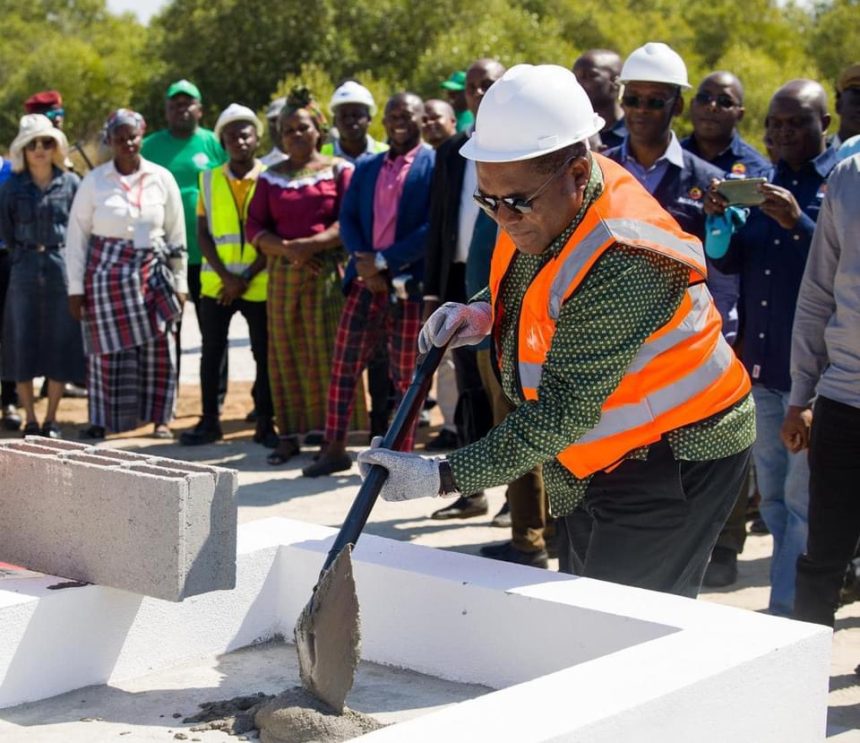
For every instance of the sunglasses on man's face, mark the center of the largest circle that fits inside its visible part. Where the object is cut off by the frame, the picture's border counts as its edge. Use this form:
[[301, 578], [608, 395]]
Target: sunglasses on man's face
[[516, 204], [650, 104], [722, 100], [55, 113], [48, 143]]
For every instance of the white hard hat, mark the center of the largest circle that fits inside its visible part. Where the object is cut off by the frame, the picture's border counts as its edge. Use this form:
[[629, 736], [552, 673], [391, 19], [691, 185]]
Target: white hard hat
[[655, 62], [352, 92], [530, 111], [237, 112]]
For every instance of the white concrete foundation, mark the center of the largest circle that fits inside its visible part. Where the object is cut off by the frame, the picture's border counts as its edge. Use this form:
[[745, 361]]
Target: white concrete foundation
[[571, 659]]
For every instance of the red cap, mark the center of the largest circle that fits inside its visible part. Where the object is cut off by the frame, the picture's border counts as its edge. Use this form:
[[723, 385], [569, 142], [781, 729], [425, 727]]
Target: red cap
[[37, 102]]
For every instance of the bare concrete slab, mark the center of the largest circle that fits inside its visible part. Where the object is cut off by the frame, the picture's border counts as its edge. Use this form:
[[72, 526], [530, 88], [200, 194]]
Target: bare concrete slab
[[151, 708]]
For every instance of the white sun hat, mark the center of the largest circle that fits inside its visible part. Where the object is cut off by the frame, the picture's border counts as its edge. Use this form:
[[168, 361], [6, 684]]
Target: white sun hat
[[35, 126]]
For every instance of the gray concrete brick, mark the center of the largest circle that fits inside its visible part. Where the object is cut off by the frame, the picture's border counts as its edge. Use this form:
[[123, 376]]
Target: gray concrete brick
[[166, 530]]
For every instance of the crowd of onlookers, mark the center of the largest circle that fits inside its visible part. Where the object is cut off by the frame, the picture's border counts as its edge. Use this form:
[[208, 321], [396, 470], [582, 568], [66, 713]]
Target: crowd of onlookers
[[336, 248]]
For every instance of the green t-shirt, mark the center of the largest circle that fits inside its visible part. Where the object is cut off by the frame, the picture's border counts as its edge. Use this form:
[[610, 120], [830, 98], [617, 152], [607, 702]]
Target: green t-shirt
[[465, 119], [185, 158]]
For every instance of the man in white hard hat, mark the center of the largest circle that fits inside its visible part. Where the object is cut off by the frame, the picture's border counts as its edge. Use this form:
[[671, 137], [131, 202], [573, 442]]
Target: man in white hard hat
[[654, 78], [233, 275], [352, 107], [606, 338]]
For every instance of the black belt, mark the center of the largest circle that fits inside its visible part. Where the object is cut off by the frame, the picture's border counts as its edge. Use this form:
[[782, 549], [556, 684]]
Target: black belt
[[39, 247]]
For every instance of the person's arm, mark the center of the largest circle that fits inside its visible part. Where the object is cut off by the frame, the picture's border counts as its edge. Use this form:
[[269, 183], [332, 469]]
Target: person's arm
[[7, 224], [77, 240], [627, 296], [815, 306], [350, 215], [433, 247], [174, 234]]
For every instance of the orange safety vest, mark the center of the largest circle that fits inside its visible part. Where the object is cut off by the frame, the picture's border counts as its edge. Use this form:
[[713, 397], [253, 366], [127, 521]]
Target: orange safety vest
[[683, 373]]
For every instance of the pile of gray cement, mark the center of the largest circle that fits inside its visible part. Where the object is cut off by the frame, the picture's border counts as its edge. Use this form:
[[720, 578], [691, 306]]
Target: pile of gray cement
[[293, 716], [296, 716]]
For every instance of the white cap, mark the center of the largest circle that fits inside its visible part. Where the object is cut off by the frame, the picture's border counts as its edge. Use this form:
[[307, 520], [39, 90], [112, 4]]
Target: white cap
[[530, 111], [655, 62], [33, 126], [352, 92], [237, 112]]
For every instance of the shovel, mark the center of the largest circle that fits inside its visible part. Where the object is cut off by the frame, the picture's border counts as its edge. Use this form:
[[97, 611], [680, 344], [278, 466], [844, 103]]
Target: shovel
[[327, 632]]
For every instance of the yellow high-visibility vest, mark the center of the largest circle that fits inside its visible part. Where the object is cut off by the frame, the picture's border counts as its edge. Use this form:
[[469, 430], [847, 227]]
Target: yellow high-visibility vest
[[226, 220]]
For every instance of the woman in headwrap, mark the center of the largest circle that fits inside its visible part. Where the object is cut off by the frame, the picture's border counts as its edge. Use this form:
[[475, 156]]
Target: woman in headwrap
[[293, 219], [126, 261], [40, 337]]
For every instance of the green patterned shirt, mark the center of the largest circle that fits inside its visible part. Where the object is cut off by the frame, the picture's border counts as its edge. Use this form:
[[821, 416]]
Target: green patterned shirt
[[627, 295]]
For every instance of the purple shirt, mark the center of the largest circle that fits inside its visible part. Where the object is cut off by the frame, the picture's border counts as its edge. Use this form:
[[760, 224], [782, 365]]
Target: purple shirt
[[386, 197], [651, 177]]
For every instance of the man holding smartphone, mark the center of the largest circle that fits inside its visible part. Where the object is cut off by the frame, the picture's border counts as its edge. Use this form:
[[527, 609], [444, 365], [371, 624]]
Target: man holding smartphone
[[769, 252]]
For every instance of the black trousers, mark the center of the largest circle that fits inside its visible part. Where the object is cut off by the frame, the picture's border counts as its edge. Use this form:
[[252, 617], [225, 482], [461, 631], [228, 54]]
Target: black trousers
[[215, 325], [8, 391], [653, 523], [834, 510]]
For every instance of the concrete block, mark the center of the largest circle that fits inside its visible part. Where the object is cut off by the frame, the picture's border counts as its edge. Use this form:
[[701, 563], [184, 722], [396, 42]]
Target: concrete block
[[162, 531]]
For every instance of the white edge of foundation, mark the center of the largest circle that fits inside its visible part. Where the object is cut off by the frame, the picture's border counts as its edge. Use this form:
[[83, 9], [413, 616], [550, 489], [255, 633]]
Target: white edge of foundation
[[647, 666]]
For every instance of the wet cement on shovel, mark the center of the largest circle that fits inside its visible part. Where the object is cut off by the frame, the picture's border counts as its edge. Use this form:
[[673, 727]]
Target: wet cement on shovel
[[328, 634]]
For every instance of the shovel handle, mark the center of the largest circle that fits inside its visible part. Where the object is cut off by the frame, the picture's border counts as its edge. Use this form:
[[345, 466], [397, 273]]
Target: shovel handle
[[408, 410]]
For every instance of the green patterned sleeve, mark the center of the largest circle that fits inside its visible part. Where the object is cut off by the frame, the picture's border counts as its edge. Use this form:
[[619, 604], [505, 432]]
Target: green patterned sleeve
[[627, 296]]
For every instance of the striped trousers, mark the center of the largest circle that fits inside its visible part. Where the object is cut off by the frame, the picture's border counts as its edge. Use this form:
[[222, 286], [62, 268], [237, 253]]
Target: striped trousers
[[368, 319]]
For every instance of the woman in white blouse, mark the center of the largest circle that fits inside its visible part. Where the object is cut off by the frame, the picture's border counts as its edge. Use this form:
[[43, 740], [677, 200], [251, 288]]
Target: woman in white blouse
[[126, 263]]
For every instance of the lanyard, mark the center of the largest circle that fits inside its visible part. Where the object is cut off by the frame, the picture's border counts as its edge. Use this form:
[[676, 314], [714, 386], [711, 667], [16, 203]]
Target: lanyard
[[131, 200]]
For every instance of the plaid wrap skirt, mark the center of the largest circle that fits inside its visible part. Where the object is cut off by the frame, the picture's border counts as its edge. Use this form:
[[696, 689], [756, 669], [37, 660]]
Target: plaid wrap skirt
[[129, 295]]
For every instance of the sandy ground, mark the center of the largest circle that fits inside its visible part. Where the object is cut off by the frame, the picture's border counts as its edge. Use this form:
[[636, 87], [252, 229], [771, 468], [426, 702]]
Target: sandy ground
[[267, 491]]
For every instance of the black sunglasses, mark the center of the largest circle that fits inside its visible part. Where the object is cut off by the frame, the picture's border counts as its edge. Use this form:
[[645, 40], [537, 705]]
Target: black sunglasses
[[651, 104], [491, 204], [48, 143], [722, 100]]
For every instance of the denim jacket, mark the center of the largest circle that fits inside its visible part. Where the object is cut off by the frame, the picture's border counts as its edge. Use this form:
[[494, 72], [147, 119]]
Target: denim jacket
[[30, 216]]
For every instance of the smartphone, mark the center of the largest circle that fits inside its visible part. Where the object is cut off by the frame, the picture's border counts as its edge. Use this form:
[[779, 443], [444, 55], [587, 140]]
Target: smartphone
[[742, 191]]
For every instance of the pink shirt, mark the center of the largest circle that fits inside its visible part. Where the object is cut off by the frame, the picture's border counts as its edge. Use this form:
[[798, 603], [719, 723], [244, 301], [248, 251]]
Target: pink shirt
[[386, 198]]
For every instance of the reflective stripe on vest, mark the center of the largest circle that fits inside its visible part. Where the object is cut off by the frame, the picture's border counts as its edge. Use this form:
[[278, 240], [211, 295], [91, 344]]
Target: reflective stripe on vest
[[683, 373], [225, 228]]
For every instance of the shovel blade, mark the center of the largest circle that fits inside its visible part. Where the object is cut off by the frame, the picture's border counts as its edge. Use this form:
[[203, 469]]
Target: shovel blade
[[328, 634]]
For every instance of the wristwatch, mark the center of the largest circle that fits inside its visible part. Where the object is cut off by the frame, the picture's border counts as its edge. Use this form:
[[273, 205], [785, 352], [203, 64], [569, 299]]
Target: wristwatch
[[247, 274], [447, 485], [379, 262]]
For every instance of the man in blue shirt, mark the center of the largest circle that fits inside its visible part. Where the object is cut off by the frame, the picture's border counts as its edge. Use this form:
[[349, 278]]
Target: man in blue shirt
[[716, 111], [654, 76], [770, 253]]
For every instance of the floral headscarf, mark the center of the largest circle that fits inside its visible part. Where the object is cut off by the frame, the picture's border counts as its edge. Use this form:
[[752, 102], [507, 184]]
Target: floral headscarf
[[123, 117]]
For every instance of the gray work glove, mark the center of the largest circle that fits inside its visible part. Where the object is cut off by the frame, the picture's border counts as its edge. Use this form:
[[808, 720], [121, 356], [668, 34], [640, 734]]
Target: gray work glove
[[461, 324], [409, 475]]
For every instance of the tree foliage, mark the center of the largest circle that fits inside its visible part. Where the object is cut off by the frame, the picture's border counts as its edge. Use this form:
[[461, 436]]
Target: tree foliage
[[248, 52]]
